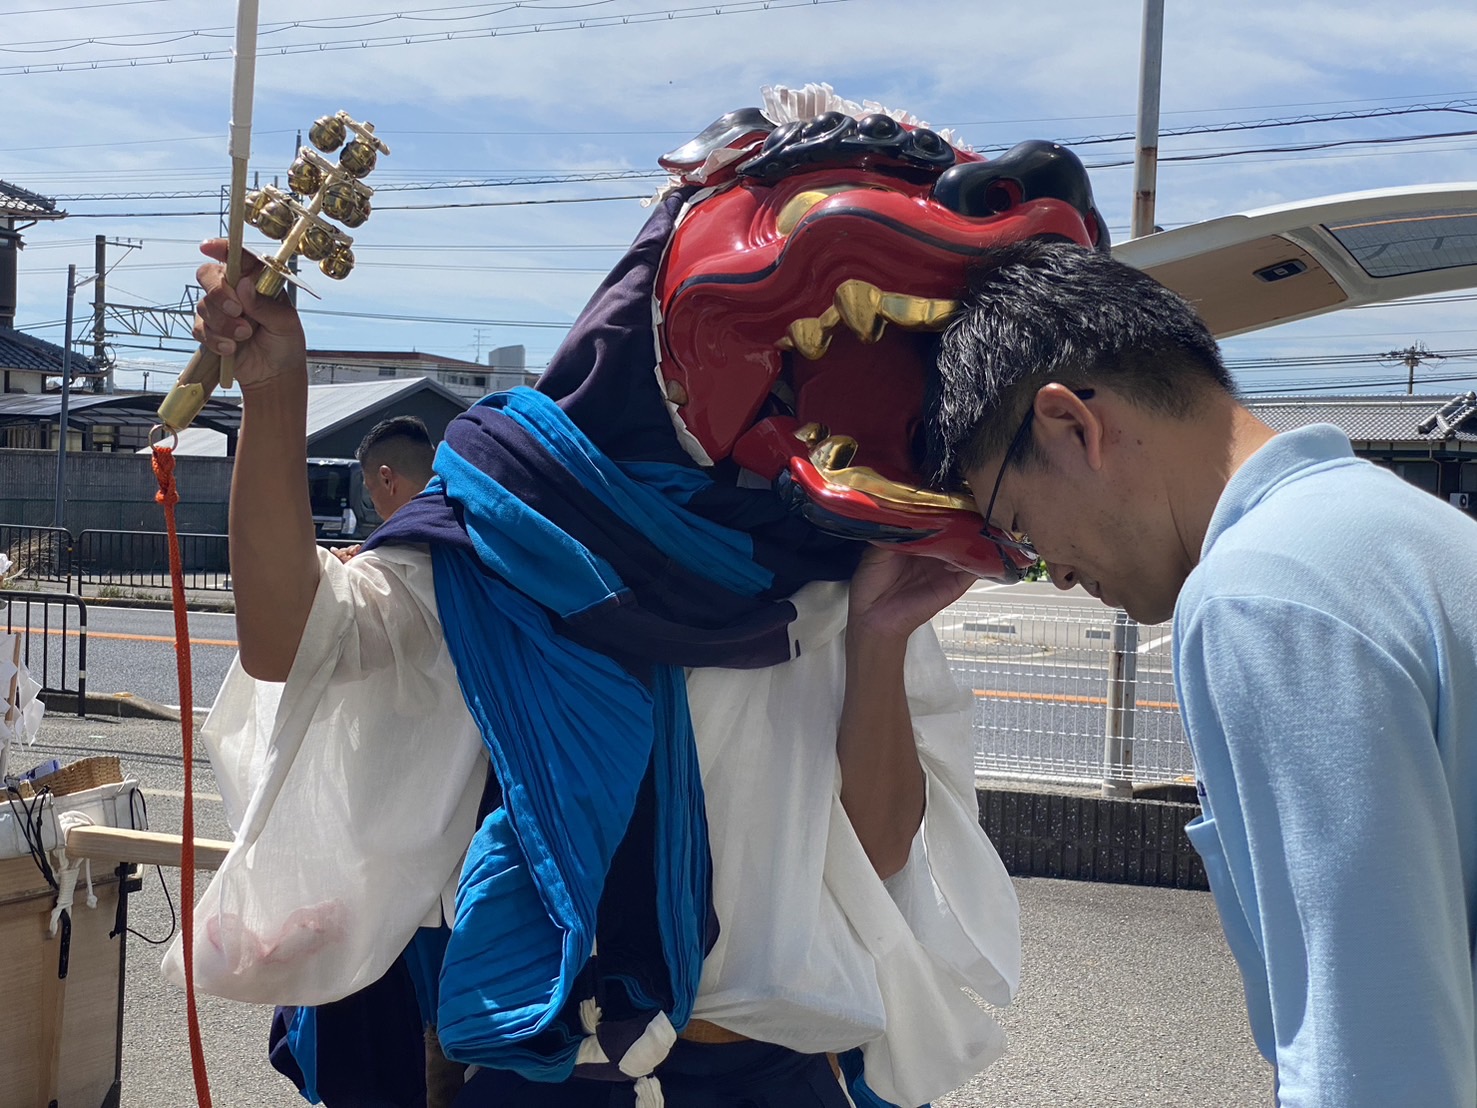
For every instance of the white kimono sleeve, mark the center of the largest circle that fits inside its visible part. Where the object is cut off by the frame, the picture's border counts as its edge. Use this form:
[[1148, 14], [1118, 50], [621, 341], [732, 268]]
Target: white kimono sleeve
[[816, 952], [352, 790]]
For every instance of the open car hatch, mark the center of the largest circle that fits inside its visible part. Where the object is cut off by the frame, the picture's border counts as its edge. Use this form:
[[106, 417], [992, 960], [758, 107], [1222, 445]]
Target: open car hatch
[[1274, 265]]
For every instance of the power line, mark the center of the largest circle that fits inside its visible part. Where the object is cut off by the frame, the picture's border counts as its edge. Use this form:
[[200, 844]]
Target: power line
[[369, 248], [324, 23], [82, 7], [361, 262], [508, 203], [215, 213], [1361, 383], [1293, 149], [133, 142], [585, 24], [1420, 97], [645, 174], [1460, 106], [1455, 104], [453, 320], [408, 186]]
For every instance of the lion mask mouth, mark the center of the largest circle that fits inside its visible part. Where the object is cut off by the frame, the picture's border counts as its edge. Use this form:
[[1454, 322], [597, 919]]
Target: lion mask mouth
[[801, 295]]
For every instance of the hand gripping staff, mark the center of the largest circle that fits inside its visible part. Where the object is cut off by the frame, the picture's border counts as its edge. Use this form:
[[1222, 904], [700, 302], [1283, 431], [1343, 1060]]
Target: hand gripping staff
[[202, 377], [333, 190]]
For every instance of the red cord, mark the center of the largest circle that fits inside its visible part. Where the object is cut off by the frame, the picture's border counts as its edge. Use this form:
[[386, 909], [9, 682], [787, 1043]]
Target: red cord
[[168, 495]]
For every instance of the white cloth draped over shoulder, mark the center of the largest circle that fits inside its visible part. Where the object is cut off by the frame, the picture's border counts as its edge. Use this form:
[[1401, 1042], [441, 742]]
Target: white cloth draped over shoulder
[[353, 788]]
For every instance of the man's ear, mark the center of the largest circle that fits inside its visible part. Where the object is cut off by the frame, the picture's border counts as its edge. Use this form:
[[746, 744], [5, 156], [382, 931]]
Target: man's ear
[[386, 476], [1065, 423]]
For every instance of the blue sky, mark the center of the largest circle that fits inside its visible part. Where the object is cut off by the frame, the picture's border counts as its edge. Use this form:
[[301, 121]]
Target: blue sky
[[91, 108]]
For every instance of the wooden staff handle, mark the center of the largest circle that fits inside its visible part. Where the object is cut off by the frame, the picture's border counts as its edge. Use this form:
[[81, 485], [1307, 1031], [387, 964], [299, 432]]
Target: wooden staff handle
[[191, 390], [149, 848]]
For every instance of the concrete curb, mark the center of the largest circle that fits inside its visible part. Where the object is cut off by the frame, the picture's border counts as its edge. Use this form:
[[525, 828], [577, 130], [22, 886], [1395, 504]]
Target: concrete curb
[[225, 607], [115, 706], [1092, 838]]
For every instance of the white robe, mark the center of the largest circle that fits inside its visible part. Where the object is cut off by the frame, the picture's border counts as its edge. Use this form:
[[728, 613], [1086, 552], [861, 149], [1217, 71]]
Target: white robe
[[353, 789]]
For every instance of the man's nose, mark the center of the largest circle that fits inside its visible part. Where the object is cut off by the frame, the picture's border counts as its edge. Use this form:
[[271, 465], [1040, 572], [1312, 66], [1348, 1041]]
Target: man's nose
[[1063, 577]]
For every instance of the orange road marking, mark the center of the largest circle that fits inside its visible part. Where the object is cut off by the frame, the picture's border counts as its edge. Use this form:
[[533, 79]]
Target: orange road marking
[[139, 638], [1065, 698]]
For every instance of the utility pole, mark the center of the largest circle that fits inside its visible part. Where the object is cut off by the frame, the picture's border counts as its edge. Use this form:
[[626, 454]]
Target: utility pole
[[1411, 357], [100, 357], [1146, 153], [99, 304], [58, 513], [63, 418]]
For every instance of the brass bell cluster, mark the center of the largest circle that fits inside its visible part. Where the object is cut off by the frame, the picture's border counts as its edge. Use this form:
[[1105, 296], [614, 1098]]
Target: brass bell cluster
[[328, 191]]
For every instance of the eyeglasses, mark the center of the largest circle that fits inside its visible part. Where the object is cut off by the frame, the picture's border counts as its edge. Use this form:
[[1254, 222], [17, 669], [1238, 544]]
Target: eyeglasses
[[1002, 538]]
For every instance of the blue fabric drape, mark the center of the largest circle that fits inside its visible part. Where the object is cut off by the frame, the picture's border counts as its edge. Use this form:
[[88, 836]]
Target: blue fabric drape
[[571, 733], [579, 507]]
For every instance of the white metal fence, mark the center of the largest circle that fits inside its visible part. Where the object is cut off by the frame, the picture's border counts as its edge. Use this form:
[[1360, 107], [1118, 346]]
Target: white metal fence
[[1066, 693]]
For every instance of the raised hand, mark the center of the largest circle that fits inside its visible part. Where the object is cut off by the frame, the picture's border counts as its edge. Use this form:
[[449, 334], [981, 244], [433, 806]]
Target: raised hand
[[894, 594], [264, 334]]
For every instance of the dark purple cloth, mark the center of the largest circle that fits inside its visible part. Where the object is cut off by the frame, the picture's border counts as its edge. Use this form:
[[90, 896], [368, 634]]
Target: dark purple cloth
[[730, 1075], [373, 1042], [603, 377]]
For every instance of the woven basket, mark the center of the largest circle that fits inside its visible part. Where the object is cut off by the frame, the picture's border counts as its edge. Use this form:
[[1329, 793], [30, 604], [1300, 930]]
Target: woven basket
[[86, 773]]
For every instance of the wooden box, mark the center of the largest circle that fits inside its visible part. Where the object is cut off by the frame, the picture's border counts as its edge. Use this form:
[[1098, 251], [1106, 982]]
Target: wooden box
[[61, 1005], [60, 1037]]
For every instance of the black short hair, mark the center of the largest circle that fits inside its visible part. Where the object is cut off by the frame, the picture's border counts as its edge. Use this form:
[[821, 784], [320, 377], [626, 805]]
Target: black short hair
[[1040, 311], [400, 442]]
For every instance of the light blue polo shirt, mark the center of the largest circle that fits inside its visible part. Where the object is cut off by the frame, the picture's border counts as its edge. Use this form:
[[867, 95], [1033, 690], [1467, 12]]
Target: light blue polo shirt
[[1326, 666]]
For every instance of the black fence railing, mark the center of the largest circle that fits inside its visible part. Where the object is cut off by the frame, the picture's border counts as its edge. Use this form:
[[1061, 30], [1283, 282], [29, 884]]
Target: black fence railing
[[140, 559], [53, 633], [99, 560], [37, 553]]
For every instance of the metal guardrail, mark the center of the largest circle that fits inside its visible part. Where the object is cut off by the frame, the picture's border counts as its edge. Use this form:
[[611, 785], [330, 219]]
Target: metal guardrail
[[1063, 694], [140, 559], [38, 553], [100, 559], [1066, 694], [54, 641]]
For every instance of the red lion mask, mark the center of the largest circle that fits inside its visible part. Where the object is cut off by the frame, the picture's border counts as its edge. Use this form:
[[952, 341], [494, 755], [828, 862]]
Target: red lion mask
[[801, 296]]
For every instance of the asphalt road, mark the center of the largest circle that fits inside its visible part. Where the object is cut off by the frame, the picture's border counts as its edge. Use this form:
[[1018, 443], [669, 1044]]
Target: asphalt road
[[1130, 996], [132, 650]]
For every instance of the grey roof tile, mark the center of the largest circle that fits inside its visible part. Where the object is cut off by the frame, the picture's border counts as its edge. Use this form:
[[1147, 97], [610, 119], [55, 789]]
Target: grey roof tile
[[19, 203], [1366, 418], [19, 350]]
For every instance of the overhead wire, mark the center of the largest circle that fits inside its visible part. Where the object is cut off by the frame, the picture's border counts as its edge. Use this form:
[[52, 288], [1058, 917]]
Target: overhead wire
[[1454, 104], [341, 22], [82, 7], [1291, 149], [431, 186], [321, 23], [733, 7], [379, 207]]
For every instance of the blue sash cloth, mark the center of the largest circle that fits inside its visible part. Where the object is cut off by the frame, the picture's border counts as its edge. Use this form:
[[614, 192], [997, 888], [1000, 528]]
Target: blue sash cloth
[[581, 560], [574, 732]]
